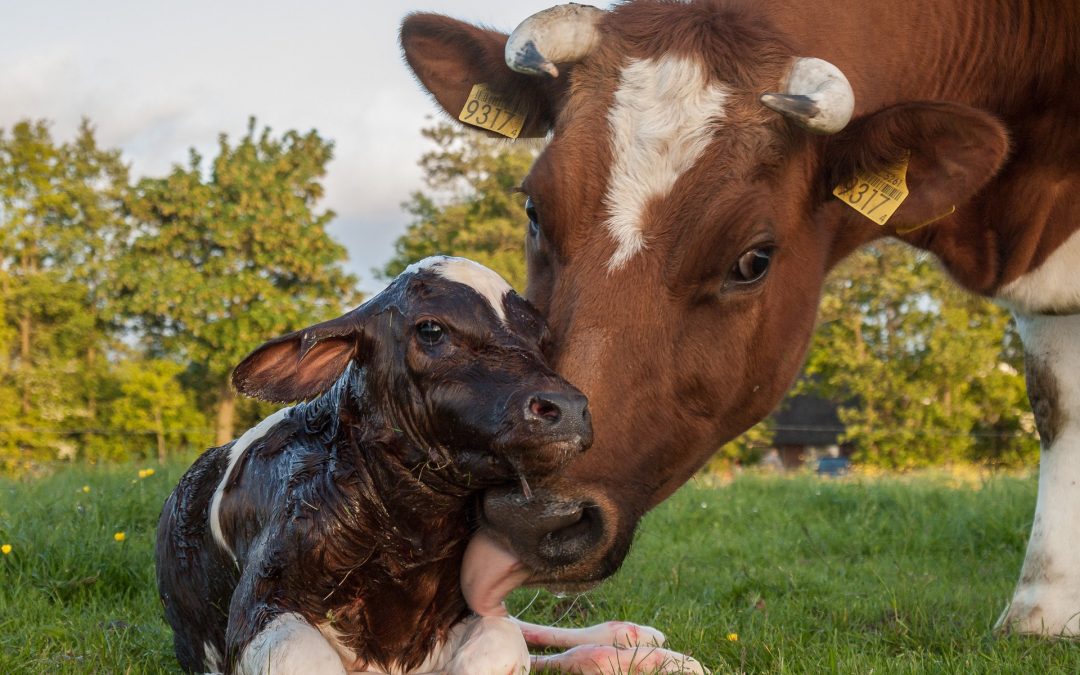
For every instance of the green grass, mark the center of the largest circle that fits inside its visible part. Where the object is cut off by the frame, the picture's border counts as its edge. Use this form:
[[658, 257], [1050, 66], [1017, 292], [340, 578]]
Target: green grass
[[889, 575]]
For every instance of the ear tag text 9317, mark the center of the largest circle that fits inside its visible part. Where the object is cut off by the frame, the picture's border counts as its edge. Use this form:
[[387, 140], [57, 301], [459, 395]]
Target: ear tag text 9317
[[489, 111], [877, 195]]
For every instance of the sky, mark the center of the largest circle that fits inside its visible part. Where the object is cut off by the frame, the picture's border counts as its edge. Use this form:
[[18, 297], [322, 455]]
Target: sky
[[157, 78]]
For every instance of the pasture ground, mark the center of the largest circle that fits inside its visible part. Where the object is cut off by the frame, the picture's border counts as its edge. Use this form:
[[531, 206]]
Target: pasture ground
[[762, 575]]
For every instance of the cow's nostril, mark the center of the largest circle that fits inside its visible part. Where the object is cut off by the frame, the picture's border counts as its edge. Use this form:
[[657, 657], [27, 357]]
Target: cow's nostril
[[545, 409]]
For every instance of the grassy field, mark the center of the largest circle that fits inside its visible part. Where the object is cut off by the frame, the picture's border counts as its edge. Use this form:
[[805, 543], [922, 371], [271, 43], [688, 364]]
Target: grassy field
[[765, 575]]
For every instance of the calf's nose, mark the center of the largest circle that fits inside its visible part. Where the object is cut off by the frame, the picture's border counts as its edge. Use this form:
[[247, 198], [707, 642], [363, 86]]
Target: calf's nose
[[563, 414]]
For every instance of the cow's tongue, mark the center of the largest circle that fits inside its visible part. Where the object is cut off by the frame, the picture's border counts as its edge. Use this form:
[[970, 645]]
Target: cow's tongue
[[488, 573]]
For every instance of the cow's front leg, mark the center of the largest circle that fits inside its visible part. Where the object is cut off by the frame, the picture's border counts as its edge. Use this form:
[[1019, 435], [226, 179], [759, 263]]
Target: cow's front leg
[[1047, 597]]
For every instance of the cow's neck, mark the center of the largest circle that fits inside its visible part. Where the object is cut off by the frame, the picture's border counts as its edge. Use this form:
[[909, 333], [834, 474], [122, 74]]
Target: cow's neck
[[1016, 60], [992, 55]]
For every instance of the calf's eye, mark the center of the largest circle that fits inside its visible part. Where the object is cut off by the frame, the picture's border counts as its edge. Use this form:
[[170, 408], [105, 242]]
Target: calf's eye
[[752, 265], [430, 332]]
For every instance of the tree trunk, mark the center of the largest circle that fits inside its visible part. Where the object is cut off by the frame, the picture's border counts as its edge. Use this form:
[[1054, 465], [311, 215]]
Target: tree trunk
[[159, 431], [25, 326], [91, 394], [225, 413]]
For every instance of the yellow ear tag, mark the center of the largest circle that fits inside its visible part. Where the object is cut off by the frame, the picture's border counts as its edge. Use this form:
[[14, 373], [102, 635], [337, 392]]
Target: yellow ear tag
[[486, 110], [876, 195]]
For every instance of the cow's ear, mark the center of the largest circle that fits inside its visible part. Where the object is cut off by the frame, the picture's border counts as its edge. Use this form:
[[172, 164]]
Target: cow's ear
[[951, 150], [449, 57], [301, 365]]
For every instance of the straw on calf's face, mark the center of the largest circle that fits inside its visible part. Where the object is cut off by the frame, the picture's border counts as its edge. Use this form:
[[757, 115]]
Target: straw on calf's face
[[332, 534]]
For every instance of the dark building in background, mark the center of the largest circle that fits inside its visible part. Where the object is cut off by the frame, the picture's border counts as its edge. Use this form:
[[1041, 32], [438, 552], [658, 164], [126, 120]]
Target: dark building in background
[[808, 429]]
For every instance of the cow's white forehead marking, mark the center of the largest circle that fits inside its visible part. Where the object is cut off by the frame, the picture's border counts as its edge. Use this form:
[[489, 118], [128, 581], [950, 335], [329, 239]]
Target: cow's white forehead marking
[[464, 271], [1053, 286], [663, 117], [235, 453]]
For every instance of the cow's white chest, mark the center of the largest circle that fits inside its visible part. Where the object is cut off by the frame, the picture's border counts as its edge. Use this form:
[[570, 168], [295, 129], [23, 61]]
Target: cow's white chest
[[1051, 288]]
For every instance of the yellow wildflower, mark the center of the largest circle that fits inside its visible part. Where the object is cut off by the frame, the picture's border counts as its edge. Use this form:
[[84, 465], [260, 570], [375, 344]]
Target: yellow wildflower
[[146, 473], [733, 637], [5, 549], [119, 536], [86, 488]]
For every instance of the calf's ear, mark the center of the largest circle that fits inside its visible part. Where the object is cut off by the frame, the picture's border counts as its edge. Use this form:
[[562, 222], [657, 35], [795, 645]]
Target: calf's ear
[[300, 365], [450, 56], [952, 150]]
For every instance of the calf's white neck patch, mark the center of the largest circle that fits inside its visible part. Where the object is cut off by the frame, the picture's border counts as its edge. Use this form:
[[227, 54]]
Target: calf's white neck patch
[[662, 120], [484, 281]]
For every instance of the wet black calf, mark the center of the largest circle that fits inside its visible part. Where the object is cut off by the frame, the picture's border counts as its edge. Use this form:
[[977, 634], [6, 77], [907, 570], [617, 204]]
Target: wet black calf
[[342, 520]]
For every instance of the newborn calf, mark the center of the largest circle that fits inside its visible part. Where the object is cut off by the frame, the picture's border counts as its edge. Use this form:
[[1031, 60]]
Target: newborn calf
[[330, 537]]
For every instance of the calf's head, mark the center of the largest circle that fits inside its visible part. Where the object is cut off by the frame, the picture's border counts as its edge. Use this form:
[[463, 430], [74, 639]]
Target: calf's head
[[680, 224], [445, 363]]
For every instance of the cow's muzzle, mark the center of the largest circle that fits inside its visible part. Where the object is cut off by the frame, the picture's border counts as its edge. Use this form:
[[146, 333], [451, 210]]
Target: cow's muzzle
[[551, 535]]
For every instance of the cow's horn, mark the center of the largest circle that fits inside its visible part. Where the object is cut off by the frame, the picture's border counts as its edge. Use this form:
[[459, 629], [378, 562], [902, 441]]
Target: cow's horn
[[817, 97], [560, 34]]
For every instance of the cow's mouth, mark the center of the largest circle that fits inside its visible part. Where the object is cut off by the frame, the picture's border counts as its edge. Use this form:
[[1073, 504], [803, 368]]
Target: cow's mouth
[[492, 568], [553, 537]]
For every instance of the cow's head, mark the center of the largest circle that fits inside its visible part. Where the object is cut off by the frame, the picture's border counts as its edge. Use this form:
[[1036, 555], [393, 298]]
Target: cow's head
[[679, 227]]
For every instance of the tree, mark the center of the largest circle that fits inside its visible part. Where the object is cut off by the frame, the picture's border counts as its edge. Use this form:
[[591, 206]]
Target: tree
[[224, 259], [474, 210], [926, 369], [60, 223], [152, 404]]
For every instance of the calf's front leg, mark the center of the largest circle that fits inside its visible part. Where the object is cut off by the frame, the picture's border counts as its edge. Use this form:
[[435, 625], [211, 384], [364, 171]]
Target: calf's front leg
[[487, 645], [289, 645], [1047, 597], [609, 648]]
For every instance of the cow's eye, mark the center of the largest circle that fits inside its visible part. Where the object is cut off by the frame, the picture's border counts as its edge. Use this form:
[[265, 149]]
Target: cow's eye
[[752, 265], [430, 332], [534, 222]]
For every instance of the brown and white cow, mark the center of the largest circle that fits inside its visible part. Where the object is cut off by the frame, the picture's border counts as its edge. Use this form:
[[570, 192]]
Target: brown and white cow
[[682, 220]]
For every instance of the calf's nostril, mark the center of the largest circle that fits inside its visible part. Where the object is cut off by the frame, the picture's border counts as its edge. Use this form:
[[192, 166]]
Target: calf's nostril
[[544, 409]]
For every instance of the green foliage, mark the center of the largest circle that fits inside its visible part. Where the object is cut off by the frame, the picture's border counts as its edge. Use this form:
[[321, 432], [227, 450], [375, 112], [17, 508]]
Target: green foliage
[[744, 450], [60, 225], [227, 258], [123, 309], [473, 210], [925, 369], [156, 415]]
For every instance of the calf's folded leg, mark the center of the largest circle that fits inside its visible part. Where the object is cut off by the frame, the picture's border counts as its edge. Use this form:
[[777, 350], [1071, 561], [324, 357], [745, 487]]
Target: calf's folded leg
[[609, 633], [602, 660], [289, 645], [487, 645]]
